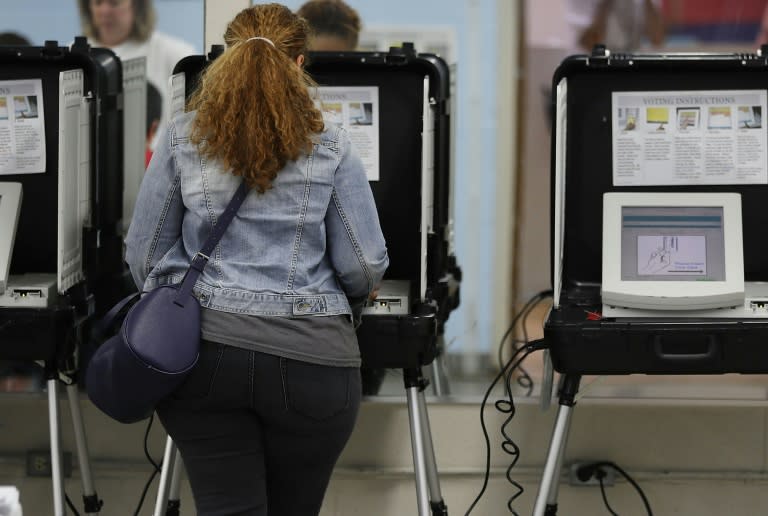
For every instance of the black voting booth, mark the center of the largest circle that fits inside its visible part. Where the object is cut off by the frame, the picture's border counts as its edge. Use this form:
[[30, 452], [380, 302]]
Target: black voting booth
[[413, 99], [51, 334], [579, 340]]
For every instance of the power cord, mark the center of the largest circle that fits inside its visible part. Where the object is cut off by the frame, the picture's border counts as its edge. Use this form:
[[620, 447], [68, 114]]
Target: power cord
[[596, 470], [154, 464], [506, 406], [524, 380], [600, 474], [71, 505]]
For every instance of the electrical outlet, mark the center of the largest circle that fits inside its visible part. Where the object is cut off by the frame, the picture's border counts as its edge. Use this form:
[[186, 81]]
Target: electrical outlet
[[39, 463], [609, 477]]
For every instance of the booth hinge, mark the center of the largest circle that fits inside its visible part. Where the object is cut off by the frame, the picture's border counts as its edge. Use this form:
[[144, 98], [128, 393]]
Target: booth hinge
[[599, 57], [216, 51], [756, 60], [81, 45], [51, 49], [762, 54], [400, 55]]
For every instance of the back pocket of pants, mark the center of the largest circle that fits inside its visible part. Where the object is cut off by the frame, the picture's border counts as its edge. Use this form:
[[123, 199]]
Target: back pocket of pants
[[315, 391], [199, 383]]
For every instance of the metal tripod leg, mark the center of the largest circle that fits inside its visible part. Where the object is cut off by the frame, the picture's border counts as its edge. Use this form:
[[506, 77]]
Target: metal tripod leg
[[91, 500], [169, 460], [174, 498], [57, 476], [429, 498], [546, 500]]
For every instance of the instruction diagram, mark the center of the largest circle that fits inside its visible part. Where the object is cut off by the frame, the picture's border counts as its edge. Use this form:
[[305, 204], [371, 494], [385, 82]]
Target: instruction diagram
[[668, 255]]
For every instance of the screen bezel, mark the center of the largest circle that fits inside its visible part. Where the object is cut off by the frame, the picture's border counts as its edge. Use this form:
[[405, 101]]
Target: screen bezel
[[672, 294]]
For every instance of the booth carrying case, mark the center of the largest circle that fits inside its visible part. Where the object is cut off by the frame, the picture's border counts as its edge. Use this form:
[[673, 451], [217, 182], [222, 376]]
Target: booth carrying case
[[580, 339]]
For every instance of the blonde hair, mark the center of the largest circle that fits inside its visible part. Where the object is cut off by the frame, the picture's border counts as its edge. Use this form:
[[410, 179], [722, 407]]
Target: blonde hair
[[144, 19], [254, 109]]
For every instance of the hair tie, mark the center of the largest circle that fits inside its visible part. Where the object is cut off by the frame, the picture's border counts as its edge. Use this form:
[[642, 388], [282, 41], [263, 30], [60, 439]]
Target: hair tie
[[263, 39]]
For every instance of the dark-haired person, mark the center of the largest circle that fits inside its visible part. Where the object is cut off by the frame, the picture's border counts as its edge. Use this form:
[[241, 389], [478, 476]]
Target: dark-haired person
[[620, 25], [127, 27], [335, 25], [13, 39], [271, 403]]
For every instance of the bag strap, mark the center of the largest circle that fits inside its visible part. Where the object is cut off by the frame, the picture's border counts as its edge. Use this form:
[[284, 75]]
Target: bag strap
[[200, 260], [107, 324]]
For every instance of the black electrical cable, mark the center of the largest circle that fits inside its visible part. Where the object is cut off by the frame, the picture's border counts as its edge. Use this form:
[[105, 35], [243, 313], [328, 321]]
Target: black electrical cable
[[605, 497], [535, 299], [596, 466], [507, 406], [525, 380], [508, 444], [71, 505], [155, 465], [485, 431]]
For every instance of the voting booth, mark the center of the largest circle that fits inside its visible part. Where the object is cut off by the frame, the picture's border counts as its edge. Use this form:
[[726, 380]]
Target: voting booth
[[659, 261], [61, 182]]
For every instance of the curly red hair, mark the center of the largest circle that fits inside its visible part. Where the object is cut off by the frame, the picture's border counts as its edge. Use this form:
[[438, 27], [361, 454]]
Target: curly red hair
[[254, 108]]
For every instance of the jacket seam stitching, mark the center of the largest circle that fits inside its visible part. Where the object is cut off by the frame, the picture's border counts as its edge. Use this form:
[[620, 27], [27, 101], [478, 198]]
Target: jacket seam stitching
[[161, 222], [299, 230], [355, 244]]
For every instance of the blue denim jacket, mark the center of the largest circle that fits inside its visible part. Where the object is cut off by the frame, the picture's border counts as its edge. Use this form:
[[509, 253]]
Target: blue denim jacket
[[311, 245]]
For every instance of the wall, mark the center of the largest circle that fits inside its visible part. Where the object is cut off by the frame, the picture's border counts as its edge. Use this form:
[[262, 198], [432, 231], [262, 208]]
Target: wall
[[546, 39]]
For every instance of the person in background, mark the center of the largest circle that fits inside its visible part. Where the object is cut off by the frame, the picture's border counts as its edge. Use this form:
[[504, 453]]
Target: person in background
[[762, 34], [621, 25], [335, 25], [13, 39], [127, 27], [264, 414], [154, 113]]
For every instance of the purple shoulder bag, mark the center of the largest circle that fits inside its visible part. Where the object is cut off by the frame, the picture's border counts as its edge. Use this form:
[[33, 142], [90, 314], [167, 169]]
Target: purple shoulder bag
[[158, 342]]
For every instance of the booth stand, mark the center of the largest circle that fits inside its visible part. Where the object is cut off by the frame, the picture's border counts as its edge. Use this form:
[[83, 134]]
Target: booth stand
[[395, 105], [648, 123]]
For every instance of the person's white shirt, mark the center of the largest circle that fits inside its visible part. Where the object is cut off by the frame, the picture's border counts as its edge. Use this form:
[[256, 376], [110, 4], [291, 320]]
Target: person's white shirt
[[162, 52]]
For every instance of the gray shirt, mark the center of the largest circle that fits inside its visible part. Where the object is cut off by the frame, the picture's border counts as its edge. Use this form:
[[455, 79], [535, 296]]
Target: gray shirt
[[325, 340]]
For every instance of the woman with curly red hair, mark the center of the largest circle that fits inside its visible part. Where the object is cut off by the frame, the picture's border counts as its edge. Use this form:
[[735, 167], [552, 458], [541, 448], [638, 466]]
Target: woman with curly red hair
[[263, 417]]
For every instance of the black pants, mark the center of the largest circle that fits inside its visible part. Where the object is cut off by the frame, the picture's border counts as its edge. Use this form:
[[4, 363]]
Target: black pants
[[260, 434]]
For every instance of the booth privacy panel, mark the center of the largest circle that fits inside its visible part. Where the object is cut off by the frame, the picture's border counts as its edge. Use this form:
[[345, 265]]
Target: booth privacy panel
[[589, 159]]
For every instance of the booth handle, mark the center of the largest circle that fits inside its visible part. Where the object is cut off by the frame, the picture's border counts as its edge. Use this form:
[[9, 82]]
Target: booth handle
[[695, 348]]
